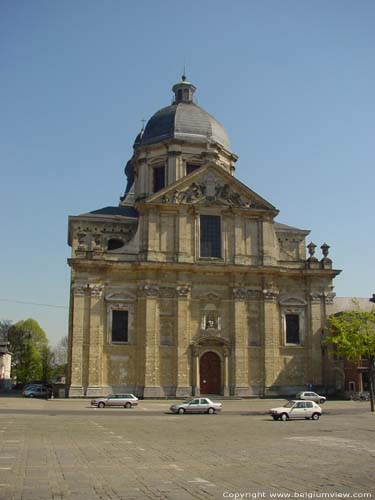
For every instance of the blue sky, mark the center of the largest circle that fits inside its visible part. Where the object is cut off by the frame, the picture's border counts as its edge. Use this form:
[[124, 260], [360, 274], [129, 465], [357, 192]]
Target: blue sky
[[292, 82]]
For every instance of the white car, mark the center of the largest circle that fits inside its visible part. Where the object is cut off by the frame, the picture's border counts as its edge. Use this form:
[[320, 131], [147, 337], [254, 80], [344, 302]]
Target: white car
[[311, 396], [197, 405], [125, 400], [297, 409]]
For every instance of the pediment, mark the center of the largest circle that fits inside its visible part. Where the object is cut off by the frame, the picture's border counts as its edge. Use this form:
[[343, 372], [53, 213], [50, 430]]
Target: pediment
[[211, 185]]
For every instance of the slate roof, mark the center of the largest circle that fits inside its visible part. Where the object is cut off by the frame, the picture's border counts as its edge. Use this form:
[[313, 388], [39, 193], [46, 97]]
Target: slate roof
[[185, 121], [123, 211], [284, 227]]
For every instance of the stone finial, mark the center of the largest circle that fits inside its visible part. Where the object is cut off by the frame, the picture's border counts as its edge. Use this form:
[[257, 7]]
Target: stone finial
[[311, 248], [325, 249]]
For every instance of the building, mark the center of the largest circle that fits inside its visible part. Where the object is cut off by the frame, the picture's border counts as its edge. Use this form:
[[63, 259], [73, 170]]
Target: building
[[351, 376], [189, 285], [5, 365]]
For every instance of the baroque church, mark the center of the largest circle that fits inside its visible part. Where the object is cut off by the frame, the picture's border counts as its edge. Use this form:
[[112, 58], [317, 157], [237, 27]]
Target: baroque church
[[189, 286]]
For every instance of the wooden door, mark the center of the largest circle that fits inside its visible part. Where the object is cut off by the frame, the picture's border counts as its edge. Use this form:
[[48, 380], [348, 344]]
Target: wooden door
[[210, 373]]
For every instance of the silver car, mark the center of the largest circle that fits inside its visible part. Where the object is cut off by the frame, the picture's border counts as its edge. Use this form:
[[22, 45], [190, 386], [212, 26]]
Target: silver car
[[197, 405], [125, 400], [311, 396]]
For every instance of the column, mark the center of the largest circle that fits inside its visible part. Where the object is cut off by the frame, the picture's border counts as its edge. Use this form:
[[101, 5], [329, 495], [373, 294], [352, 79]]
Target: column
[[241, 355], [271, 339], [95, 347], [183, 319], [76, 339], [151, 328]]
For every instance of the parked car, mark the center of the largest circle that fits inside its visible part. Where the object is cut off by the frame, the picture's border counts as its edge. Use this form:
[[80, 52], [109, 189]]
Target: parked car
[[297, 409], [311, 396], [197, 405], [125, 400], [37, 391]]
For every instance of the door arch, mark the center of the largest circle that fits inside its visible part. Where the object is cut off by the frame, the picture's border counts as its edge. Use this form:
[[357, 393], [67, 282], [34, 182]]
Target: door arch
[[210, 373]]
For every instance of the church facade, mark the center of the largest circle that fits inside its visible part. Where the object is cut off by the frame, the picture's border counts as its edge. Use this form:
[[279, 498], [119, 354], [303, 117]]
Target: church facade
[[189, 286]]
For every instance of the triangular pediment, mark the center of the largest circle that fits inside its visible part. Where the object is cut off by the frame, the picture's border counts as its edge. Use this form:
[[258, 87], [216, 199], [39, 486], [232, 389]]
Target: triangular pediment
[[211, 185]]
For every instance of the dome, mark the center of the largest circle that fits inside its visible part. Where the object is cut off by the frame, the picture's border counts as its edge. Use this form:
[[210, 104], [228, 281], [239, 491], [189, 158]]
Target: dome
[[184, 120]]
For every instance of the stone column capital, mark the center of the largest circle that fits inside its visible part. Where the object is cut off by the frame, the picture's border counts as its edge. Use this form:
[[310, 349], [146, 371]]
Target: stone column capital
[[239, 293], [270, 295], [183, 291]]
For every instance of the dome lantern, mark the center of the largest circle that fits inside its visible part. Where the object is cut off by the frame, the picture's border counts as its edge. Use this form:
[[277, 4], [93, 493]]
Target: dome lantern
[[183, 91]]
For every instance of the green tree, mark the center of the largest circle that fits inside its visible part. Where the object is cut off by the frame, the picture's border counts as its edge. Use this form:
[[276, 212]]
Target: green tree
[[60, 358], [353, 334], [28, 344]]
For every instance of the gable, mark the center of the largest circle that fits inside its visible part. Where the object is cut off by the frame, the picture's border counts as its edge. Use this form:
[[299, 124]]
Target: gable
[[211, 185]]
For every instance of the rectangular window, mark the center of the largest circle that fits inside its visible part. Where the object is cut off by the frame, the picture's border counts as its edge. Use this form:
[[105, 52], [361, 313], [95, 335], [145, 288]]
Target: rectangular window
[[190, 167], [159, 178], [292, 332], [119, 326], [210, 236]]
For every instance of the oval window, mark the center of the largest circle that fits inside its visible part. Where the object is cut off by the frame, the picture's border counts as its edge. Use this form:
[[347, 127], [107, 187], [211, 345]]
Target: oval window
[[115, 243]]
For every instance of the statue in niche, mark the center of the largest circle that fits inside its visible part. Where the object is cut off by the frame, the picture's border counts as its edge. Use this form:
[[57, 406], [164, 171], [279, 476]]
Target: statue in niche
[[210, 322]]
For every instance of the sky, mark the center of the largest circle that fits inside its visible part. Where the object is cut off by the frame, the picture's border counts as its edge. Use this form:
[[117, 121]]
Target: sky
[[292, 82]]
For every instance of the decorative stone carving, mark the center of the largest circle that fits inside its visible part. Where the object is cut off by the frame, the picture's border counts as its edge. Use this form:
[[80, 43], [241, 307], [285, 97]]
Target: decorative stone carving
[[167, 292], [79, 289], [183, 291], [254, 294], [329, 297], [209, 190], [325, 250], [315, 296], [239, 293], [96, 290], [270, 294], [311, 249], [150, 290]]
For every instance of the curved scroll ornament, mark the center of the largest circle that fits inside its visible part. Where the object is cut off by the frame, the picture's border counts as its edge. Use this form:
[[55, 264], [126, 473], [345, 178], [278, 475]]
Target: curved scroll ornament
[[239, 293]]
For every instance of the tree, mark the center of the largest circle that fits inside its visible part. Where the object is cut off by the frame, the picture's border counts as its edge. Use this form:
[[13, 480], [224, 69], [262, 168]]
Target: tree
[[5, 326], [28, 344], [353, 334], [60, 358]]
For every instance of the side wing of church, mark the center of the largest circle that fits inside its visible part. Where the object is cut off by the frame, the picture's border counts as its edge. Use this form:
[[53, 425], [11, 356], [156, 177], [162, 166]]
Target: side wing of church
[[190, 286]]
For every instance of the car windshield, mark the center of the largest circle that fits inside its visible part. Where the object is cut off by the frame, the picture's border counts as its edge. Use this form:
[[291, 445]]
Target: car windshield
[[289, 404]]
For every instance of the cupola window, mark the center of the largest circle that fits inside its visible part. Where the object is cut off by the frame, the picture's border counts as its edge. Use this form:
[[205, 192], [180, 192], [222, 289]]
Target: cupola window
[[190, 167], [158, 178]]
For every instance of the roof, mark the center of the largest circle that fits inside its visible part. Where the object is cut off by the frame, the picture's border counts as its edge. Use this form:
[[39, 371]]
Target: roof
[[284, 227], [184, 121], [123, 211]]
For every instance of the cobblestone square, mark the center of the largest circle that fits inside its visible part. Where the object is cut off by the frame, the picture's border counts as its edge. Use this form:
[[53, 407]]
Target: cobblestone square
[[64, 449]]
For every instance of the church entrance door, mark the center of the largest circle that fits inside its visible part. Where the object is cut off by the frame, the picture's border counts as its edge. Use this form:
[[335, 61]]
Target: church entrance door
[[210, 373]]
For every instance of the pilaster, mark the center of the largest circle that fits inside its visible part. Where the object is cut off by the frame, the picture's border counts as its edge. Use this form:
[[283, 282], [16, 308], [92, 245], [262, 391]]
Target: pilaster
[[240, 351], [95, 348], [151, 328], [183, 373], [271, 337], [76, 369], [315, 336]]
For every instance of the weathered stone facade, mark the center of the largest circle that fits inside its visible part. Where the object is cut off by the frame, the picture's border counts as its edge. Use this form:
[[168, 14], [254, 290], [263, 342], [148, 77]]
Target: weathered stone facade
[[195, 320]]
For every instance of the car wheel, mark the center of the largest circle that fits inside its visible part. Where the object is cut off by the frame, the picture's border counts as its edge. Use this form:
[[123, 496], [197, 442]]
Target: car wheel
[[181, 411], [128, 405], [211, 411], [315, 416], [31, 396], [101, 405], [322, 401], [284, 417]]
